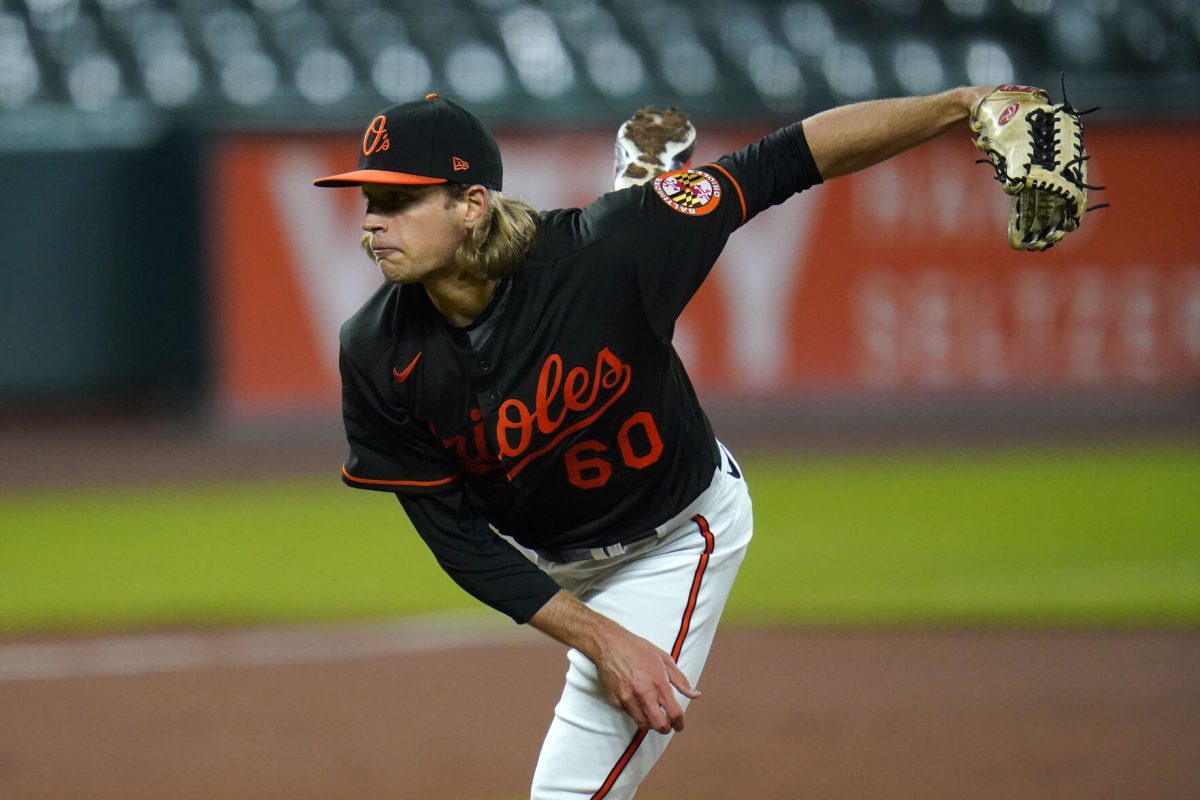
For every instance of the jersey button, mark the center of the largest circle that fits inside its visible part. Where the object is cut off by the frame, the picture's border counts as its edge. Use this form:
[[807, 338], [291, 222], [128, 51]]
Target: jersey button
[[484, 365], [494, 397]]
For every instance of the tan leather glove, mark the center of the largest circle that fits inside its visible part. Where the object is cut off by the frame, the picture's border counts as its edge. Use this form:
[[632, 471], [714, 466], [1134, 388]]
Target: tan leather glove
[[1037, 150]]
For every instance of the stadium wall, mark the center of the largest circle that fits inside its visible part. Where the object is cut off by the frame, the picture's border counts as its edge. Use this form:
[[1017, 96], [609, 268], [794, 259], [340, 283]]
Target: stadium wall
[[896, 283]]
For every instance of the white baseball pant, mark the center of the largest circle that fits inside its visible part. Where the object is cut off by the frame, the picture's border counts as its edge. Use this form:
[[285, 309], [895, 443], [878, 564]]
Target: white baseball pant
[[669, 589]]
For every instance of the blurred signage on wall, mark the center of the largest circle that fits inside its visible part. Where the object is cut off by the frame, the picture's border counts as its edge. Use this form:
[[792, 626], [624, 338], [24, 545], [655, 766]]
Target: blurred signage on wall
[[898, 278]]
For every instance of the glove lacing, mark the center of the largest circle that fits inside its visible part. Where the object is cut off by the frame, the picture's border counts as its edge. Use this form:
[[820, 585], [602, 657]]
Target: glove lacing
[[1047, 149], [1071, 170]]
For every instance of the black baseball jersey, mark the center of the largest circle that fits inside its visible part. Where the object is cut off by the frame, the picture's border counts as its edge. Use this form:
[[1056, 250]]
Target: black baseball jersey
[[562, 416]]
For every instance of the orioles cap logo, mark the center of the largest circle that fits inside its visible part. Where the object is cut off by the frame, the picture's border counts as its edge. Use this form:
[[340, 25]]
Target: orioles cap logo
[[376, 136], [459, 164]]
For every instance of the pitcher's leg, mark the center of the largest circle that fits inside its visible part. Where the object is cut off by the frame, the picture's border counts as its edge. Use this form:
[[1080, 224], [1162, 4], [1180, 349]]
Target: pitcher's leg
[[593, 749], [672, 596]]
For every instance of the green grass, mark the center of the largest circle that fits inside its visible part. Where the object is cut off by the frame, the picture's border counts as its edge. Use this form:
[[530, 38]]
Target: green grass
[[165, 555], [1082, 536], [1033, 537]]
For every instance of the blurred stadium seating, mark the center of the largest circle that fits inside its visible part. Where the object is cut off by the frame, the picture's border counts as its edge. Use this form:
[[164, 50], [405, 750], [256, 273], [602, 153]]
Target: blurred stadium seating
[[253, 63], [124, 116]]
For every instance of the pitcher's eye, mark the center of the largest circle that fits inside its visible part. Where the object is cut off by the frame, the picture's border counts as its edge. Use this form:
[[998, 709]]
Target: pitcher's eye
[[387, 202]]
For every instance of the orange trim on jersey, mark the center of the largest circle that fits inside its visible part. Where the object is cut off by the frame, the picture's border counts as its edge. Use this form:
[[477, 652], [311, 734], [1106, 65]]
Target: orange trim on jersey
[[737, 187], [376, 482], [684, 626]]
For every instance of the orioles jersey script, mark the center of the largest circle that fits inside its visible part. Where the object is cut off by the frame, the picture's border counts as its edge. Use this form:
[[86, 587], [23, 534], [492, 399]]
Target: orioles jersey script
[[563, 417]]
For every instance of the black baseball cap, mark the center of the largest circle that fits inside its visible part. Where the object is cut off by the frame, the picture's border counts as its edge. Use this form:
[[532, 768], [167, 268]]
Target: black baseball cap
[[425, 142]]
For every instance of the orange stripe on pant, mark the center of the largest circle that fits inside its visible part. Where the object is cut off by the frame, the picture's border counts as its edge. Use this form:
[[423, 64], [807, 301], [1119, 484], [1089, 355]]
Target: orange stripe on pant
[[684, 625]]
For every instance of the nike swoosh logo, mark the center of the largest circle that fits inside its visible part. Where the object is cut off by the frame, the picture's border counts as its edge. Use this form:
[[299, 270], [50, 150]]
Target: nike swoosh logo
[[400, 376]]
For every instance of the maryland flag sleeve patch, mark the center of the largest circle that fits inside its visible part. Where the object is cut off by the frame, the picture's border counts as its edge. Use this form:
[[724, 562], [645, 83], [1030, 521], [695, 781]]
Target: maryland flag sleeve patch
[[689, 191]]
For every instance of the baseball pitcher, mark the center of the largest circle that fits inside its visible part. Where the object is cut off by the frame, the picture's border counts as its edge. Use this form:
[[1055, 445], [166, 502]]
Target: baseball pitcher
[[514, 384]]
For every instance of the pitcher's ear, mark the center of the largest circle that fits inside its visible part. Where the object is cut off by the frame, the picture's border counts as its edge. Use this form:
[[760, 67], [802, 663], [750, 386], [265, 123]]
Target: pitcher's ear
[[478, 202]]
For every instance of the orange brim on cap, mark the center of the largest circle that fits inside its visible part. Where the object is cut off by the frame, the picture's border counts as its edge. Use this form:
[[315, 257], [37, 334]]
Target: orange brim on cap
[[361, 176]]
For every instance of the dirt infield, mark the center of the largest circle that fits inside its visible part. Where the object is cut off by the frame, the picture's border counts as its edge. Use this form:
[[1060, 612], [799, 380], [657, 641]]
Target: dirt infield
[[786, 714]]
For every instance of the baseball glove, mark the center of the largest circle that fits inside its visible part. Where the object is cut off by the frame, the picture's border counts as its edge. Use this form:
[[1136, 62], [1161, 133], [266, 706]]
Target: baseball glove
[[1037, 150]]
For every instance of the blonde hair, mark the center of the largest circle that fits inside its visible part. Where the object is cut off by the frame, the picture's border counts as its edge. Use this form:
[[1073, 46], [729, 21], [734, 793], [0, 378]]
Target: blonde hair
[[502, 240]]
